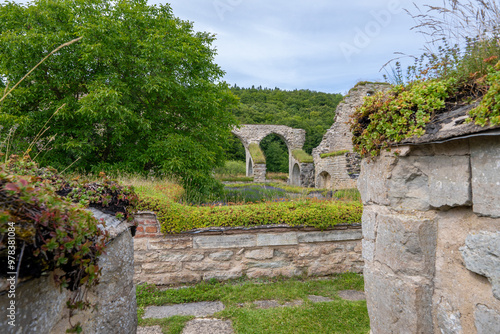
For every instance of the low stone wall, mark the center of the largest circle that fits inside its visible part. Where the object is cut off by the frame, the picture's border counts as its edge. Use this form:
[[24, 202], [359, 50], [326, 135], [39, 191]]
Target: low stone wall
[[261, 252], [431, 227], [41, 305]]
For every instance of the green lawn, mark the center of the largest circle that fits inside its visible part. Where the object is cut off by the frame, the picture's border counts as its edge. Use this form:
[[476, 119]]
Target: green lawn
[[337, 316]]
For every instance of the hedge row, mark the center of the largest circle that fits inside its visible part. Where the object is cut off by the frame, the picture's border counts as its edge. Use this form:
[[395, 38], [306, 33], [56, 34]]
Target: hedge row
[[176, 218]]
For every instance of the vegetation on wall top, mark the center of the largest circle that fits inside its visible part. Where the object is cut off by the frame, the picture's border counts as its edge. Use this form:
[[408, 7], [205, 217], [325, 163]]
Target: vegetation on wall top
[[41, 214], [302, 156], [256, 153], [333, 154], [438, 82]]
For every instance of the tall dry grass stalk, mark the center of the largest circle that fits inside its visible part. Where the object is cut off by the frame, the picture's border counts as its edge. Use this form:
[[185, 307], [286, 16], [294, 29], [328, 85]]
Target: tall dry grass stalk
[[457, 21]]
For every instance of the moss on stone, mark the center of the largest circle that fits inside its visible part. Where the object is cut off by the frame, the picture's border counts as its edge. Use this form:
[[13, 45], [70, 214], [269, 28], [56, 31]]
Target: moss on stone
[[301, 156], [334, 154], [257, 154]]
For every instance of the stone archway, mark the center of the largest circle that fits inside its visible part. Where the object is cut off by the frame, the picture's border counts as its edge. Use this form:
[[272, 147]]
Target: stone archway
[[324, 180], [254, 133]]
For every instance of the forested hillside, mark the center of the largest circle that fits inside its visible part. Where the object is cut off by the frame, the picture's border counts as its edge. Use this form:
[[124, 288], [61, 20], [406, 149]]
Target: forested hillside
[[303, 109]]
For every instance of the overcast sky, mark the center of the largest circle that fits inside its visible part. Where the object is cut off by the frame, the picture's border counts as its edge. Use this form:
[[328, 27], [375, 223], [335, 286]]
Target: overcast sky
[[321, 45]]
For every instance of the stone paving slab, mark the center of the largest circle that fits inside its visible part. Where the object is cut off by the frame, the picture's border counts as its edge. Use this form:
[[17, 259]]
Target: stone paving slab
[[319, 299], [201, 309], [352, 295], [149, 330], [208, 326], [265, 304]]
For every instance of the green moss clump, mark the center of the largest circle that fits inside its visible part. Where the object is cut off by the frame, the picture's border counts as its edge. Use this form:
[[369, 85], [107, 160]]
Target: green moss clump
[[488, 111], [334, 154], [301, 156], [257, 154]]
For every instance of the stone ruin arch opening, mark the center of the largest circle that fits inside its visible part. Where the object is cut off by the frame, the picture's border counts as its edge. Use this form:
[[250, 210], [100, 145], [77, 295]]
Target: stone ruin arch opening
[[276, 153], [252, 134], [295, 174], [324, 180]]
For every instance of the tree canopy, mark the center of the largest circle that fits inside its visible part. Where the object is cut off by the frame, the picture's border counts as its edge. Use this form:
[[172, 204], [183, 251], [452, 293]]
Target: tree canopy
[[140, 90]]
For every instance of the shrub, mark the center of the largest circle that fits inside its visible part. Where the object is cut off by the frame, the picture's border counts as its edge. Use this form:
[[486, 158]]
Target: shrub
[[176, 218], [231, 168]]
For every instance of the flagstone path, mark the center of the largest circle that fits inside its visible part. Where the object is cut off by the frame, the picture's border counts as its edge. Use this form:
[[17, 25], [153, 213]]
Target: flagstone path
[[202, 310]]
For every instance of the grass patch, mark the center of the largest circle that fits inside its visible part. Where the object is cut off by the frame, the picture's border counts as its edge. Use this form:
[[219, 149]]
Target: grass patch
[[334, 154], [277, 176], [256, 153], [348, 195], [302, 156], [237, 295], [237, 178]]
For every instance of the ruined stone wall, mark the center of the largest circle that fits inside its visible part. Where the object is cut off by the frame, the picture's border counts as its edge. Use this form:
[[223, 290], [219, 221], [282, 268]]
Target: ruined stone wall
[[41, 305], [225, 254], [339, 138], [431, 238], [305, 175]]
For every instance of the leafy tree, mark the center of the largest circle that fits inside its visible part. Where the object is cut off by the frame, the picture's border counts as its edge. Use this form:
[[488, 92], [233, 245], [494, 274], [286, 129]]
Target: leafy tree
[[141, 90]]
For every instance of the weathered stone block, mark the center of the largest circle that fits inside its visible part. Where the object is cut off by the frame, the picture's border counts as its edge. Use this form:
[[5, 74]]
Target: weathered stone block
[[407, 244], [260, 254], [372, 182], [448, 319], [487, 320], [368, 250], [369, 220], [180, 257], [397, 304], [276, 239], [161, 267], [449, 181], [221, 256], [167, 279], [481, 255], [485, 163], [327, 236], [223, 275], [268, 265], [207, 266], [225, 241], [177, 242]]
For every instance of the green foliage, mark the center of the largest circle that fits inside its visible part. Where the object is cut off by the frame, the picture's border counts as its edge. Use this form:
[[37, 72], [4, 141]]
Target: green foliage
[[402, 112], [488, 111], [141, 90], [334, 154], [52, 232], [256, 153], [231, 168], [302, 156], [176, 218], [276, 153], [303, 109]]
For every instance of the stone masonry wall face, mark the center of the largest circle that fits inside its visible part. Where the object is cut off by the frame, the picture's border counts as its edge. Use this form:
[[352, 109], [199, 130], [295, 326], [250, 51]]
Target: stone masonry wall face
[[42, 307], [342, 169], [431, 238], [190, 258]]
